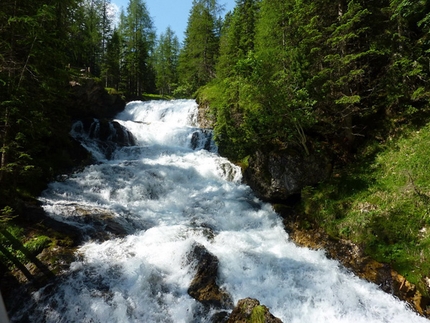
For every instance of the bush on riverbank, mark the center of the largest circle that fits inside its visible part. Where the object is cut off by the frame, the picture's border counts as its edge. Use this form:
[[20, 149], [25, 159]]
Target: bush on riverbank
[[382, 203]]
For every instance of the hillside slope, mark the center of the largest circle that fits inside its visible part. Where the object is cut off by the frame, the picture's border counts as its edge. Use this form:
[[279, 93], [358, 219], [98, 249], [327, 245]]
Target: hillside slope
[[382, 203]]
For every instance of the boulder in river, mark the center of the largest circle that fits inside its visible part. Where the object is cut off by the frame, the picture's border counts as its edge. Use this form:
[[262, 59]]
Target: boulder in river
[[204, 287]]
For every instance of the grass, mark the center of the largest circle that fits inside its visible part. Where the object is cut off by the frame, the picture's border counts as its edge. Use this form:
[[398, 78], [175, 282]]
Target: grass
[[147, 97], [382, 203], [258, 313]]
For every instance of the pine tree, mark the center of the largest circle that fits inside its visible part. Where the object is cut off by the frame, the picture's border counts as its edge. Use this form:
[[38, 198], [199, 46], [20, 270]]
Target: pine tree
[[137, 30], [200, 50], [282, 45], [238, 36], [166, 62], [348, 84], [89, 35], [408, 69]]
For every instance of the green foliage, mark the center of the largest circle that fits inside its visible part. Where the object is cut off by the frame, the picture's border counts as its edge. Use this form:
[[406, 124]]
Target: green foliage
[[89, 35], [200, 50], [300, 72], [18, 233], [37, 244], [33, 123], [166, 62], [138, 36], [382, 203], [111, 68]]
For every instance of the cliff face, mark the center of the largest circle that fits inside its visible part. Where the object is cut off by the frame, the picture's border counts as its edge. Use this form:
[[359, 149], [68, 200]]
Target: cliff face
[[279, 176]]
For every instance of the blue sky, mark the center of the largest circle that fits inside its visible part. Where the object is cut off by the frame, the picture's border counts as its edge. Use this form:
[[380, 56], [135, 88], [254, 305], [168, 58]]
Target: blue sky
[[173, 13]]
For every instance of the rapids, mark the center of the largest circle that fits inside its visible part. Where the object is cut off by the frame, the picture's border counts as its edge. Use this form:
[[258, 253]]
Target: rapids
[[170, 191]]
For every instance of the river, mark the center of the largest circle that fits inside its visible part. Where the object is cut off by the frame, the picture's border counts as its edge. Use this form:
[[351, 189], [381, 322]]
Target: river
[[167, 193]]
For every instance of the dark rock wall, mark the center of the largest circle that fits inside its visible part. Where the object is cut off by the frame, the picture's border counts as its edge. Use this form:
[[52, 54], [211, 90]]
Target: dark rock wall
[[89, 98], [277, 176]]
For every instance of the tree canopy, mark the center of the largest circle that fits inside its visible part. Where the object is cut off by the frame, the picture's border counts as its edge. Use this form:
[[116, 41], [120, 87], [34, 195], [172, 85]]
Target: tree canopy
[[302, 73], [296, 73]]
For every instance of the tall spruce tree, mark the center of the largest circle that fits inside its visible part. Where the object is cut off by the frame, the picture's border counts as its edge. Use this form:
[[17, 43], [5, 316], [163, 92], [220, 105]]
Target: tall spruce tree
[[138, 34], [407, 89], [166, 62], [281, 45], [238, 36], [198, 56], [89, 34], [348, 53]]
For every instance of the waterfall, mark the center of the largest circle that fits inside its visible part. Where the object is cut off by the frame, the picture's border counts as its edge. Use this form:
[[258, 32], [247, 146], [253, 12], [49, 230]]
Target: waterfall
[[165, 193]]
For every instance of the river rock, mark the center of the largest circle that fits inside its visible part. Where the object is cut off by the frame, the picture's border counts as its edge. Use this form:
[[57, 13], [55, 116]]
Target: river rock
[[107, 135], [204, 287], [250, 310], [108, 131], [280, 175], [99, 223]]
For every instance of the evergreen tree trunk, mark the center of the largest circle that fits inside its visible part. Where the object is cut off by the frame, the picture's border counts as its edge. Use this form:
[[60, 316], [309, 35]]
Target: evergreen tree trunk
[[4, 149]]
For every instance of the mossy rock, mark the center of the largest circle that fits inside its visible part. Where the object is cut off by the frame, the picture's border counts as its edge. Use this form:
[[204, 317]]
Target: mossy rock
[[249, 310]]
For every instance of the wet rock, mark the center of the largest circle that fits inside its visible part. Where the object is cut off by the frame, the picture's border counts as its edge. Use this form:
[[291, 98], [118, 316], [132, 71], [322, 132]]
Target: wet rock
[[204, 287], [195, 140], [101, 224], [201, 139], [280, 175], [33, 215], [105, 130], [112, 131], [108, 135], [220, 317], [249, 310]]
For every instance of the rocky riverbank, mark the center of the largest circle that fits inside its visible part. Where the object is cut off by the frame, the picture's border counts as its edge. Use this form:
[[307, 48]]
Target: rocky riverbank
[[307, 234]]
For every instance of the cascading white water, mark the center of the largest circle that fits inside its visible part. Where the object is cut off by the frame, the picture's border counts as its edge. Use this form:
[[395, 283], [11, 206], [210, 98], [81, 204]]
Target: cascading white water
[[168, 197]]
